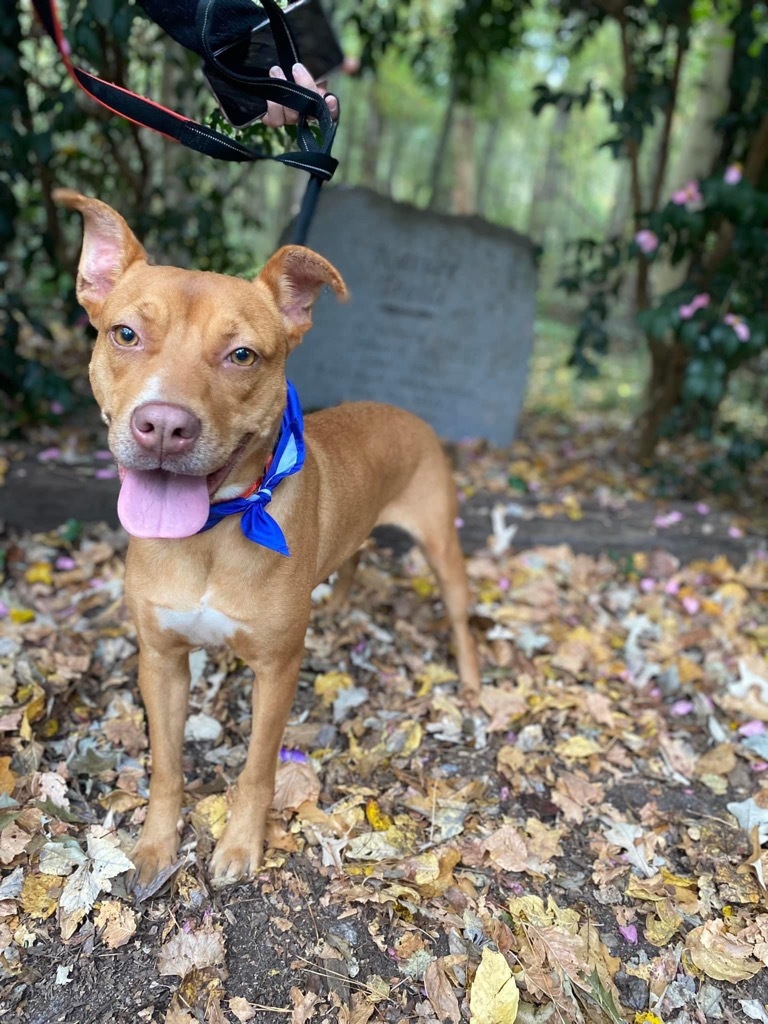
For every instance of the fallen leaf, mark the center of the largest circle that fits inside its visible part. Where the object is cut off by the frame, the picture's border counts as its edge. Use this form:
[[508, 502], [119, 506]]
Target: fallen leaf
[[303, 1005], [494, 997], [191, 948], [210, 813], [295, 784], [242, 1009], [440, 993], [118, 922], [720, 955]]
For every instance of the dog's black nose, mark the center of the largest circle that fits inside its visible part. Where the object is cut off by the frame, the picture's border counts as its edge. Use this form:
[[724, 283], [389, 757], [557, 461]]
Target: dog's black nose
[[165, 429]]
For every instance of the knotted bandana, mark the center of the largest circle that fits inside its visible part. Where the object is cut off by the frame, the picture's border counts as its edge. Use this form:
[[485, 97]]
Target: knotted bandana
[[287, 459]]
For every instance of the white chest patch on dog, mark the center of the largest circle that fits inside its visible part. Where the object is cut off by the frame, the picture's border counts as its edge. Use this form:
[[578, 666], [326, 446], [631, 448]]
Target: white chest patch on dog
[[201, 626]]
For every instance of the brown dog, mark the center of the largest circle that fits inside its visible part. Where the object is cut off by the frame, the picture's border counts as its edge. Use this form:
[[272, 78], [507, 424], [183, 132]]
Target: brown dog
[[189, 372]]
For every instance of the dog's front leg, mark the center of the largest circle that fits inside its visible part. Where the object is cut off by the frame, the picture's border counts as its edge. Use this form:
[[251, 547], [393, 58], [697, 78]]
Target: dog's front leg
[[164, 684], [241, 848]]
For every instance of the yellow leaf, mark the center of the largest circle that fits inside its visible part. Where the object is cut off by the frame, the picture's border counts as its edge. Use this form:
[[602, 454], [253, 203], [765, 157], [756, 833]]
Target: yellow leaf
[[37, 701], [494, 997], [40, 572], [720, 955], [423, 586], [39, 895], [662, 925], [577, 748], [405, 740], [572, 507], [646, 888], [432, 675], [7, 776], [120, 801], [329, 684], [21, 615], [210, 813], [377, 819]]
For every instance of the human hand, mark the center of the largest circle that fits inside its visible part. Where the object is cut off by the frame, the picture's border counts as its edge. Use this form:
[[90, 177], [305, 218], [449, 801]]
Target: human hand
[[277, 115]]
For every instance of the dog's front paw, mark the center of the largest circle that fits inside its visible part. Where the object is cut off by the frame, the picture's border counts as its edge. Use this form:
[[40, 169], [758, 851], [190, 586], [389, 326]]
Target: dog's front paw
[[235, 860], [150, 856]]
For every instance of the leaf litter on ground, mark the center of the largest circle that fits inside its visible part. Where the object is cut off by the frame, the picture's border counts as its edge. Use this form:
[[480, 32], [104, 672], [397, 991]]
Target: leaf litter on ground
[[588, 845]]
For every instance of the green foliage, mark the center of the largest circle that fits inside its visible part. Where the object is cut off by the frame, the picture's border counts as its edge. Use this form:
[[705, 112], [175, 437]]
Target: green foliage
[[715, 322], [475, 33], [176, 202]]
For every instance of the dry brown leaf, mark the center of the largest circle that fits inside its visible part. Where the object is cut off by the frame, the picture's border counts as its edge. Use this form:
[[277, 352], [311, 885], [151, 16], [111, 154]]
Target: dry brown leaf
[[295, 783], [303, 1005], [720, 955], [191, 948], [440, 993], [506, 849], [118, 921], [242, 1009], [7, 776]]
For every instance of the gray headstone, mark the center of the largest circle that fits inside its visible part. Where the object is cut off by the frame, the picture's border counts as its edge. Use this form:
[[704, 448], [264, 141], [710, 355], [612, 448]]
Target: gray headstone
[[440, 318]]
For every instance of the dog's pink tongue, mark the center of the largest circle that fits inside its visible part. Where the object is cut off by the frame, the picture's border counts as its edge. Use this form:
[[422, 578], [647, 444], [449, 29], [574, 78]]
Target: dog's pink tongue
[[156, 503]]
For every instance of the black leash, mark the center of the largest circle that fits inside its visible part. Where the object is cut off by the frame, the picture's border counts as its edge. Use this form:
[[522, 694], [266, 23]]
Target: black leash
[[314, 155]]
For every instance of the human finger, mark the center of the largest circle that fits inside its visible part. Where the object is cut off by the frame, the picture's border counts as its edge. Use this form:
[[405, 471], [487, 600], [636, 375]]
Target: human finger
[[289, 116], [275, 115]]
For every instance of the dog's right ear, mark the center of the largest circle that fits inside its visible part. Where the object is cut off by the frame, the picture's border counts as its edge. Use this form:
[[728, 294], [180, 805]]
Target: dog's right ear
[[109, 248]]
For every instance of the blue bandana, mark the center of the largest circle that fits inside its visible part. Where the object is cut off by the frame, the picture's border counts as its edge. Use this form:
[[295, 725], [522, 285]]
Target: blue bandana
[[287, 458]]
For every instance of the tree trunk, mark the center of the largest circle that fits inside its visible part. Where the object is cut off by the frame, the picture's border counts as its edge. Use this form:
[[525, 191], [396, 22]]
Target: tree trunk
[[702, 142], [371, 137], [436, 200], [668, 364], [464, 189], [399, 133], [486, 162]]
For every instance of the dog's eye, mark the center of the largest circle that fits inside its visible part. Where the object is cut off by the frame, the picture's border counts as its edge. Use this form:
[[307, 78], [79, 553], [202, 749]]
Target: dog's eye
[[124, 336], [243, 357]]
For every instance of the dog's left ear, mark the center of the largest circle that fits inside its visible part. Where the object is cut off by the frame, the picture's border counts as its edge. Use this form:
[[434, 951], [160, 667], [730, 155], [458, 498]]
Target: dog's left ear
[[109, 248], [295, 276]]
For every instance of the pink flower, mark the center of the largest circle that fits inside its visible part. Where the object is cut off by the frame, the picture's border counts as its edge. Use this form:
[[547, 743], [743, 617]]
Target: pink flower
[[664, 520], [691, 605], [689, 194], [739, 325], [732, 174], [702, 508], [701, 301], [681, 707], [754, 727], [647, 241], [629, 931]]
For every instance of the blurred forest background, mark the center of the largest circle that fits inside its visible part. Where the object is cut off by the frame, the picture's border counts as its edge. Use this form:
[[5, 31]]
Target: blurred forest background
[[629, 141]]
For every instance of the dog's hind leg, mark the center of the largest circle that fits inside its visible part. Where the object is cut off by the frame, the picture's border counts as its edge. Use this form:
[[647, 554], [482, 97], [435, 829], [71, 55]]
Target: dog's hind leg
[[345, 577], [427, 510]]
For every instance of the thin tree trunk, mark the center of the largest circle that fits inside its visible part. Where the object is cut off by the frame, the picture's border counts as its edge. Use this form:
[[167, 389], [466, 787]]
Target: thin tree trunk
[[486, 162], [371, 138], [439, 158], [399, 132], [702, 142], [464, 189]]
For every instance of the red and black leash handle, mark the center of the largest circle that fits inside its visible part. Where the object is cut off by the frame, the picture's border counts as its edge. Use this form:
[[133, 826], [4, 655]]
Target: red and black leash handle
[[315, 154]]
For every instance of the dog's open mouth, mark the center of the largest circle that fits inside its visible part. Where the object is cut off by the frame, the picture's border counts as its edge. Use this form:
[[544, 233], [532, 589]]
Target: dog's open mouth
[[158, 504]]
